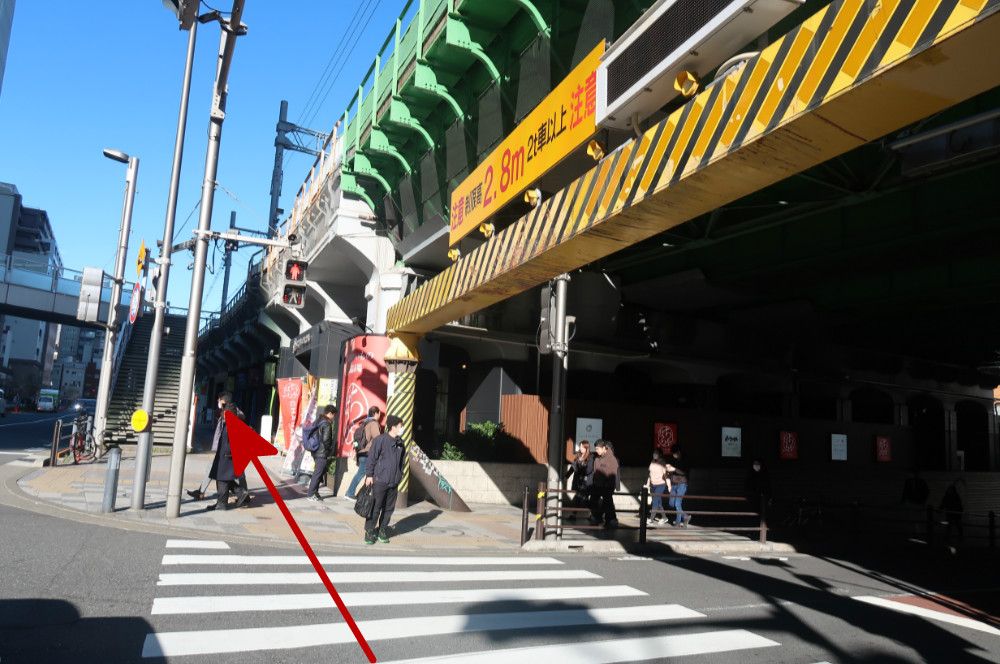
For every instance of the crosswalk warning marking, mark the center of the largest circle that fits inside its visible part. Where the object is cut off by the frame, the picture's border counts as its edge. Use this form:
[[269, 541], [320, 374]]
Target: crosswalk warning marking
[[615, 650], [470, 561], [287, 602], [196, 544], [300, 578], [203, 642]]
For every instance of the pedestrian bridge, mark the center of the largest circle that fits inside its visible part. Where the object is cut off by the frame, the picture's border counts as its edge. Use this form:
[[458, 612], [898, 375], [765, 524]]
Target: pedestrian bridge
[[47, 293]]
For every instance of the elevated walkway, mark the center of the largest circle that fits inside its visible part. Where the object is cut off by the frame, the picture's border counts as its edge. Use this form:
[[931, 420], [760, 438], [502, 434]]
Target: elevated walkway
[[46, 293], [126, 395]]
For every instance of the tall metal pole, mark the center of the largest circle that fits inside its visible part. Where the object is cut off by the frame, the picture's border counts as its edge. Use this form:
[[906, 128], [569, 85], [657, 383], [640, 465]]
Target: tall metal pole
[[227, 263], [143, 453], [277, 175], [227, 45], [111, 335], [560, 359]]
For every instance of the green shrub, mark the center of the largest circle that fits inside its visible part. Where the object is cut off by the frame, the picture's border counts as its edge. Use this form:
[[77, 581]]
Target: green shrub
[[452, 453]]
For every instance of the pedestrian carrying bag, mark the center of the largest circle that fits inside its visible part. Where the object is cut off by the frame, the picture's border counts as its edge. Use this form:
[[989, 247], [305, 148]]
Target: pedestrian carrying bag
[[311, 441], [365, 502], [359, 434]]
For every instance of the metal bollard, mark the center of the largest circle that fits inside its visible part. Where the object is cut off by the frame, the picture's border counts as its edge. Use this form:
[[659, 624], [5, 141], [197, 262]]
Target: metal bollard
[[111, 479], [524, 517], [643, 513]]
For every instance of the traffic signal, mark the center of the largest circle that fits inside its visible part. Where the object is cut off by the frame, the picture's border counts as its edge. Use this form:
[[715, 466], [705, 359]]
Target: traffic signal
[[293, 293], [295, 271], [293, 296]]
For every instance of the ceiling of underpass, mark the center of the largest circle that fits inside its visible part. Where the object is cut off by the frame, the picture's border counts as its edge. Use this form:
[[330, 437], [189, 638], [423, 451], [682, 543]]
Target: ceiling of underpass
[[888, 253], [891, 248]]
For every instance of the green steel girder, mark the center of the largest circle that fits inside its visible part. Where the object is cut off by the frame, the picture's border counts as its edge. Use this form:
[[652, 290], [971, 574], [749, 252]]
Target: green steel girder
[[400, 116], [425, 80], [457, 35], [349, 184], [363, 168], [379, 142], [536, 16]]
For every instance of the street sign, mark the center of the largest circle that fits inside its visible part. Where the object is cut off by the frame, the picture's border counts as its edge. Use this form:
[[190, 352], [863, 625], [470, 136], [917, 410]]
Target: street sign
[[140, 420], [140, 263], [89, 305], [135, 304]]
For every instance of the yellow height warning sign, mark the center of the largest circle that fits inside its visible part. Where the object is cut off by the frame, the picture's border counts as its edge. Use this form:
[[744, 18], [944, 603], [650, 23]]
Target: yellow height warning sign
[[562, 122], [140, 262]]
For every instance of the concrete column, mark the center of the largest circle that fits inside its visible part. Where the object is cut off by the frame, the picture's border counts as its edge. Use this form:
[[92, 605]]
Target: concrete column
[[950, 435], [384, 289], [400, 403]]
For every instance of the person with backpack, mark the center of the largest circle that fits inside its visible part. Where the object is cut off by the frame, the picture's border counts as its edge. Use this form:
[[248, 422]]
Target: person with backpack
[[383, 473], [318, 440], [364, 435]]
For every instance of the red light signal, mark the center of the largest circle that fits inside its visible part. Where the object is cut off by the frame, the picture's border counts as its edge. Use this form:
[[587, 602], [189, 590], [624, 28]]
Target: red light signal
[[295, 270]]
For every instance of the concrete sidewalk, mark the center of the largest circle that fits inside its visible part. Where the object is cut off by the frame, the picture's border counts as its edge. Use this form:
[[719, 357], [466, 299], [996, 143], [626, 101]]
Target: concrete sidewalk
[[79, 489], [332, 523]]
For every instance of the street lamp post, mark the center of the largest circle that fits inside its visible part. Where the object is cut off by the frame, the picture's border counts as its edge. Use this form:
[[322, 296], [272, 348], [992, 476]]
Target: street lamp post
[[231, 29], [111, 335], [159, 306]]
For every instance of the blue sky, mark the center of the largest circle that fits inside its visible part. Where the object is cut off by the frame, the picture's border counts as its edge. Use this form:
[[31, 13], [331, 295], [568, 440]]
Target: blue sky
[[79, 79]]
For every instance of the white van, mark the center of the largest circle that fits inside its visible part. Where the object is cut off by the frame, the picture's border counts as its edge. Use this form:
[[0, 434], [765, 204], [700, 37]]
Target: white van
[[46, 403]]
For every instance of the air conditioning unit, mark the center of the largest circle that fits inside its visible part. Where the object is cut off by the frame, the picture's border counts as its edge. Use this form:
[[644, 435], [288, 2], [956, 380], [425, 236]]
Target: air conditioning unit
[[637, 73]]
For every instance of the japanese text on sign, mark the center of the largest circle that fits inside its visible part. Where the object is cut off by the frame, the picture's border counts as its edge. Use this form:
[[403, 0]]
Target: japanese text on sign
[[562, 122]]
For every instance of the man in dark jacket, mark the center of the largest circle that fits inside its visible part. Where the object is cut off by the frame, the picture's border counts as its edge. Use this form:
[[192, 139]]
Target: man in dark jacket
[[383, 473], [323, 453], [223, 471], [605, 483]]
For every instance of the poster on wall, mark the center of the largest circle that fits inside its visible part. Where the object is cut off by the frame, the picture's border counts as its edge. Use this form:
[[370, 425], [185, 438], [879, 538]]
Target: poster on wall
[[665, 437], [788, 445], [732, 441], [590, 429], [327, 392], [883, 449], [289, 395], [838, 446], [364, 383]]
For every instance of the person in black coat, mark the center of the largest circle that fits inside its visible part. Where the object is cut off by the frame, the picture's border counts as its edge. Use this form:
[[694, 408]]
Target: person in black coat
[[757, 486], [383, 473], [223, 471]]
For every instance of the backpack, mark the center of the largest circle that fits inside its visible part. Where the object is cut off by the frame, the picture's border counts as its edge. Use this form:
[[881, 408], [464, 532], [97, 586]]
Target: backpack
[[359, 434], [311, 441]]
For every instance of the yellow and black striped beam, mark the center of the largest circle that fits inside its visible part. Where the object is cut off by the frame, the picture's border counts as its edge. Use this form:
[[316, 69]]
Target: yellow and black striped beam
[[851, 73]]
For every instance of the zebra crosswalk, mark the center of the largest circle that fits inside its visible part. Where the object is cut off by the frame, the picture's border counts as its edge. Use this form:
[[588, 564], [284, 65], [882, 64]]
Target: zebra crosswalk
[[438, 608]]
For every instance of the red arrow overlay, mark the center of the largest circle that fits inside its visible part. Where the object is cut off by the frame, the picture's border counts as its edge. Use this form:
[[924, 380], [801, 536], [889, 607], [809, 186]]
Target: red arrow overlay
[[246, 446]]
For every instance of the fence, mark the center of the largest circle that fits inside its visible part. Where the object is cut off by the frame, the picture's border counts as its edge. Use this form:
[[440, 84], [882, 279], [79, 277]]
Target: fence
[[550, 507]]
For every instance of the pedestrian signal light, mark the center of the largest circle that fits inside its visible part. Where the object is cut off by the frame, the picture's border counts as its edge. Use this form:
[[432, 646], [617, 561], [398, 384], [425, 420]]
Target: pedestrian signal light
[[293, 296], [295, 270]]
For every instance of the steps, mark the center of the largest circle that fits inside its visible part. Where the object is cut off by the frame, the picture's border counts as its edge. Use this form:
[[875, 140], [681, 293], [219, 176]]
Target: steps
[[127, 393]]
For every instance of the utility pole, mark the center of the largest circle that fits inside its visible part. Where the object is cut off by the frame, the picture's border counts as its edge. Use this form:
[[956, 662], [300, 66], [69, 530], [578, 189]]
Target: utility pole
[[231, 29], [145, 444], [104, 385], [227, 262], [287, 137], [560, 361]]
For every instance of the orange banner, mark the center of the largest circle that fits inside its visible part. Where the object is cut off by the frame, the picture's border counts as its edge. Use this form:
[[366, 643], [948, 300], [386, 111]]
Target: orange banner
[[561, 123]]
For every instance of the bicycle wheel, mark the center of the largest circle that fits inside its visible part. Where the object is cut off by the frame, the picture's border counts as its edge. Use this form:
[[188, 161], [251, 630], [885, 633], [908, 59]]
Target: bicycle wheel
[[78, 444]]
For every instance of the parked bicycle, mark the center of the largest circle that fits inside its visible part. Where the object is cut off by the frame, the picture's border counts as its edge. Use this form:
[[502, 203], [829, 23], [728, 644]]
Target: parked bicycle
[[82, 441]]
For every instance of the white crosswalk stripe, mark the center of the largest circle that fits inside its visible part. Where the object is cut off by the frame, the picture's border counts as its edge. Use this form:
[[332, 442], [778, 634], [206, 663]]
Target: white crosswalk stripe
[[531, 597]]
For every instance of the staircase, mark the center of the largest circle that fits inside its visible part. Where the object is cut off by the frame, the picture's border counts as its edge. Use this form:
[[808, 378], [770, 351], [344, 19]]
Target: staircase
[[126, 396]]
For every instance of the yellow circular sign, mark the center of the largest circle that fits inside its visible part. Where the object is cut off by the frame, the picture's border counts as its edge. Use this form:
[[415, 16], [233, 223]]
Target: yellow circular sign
[[140, 420]]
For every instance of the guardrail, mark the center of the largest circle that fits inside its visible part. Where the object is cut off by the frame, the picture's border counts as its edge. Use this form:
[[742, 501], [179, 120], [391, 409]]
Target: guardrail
[[550, 507], [63, 434]]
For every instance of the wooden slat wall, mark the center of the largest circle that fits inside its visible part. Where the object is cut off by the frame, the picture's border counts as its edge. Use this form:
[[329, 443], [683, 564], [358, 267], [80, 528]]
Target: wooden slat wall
[[526, 418]]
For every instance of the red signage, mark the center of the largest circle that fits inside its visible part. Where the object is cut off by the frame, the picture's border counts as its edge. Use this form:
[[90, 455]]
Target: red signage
[[135, 304], [883, 449], [364, 384], [289, 395], [788, 445], [665, 437]]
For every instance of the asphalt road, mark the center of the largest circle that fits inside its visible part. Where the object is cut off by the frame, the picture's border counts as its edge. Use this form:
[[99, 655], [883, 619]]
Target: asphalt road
[[76, 592], [22, 433]]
